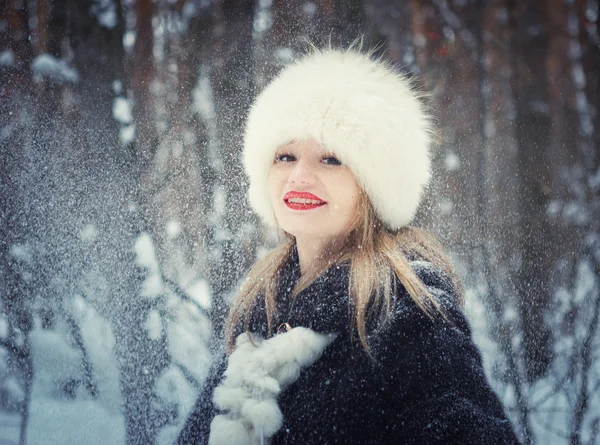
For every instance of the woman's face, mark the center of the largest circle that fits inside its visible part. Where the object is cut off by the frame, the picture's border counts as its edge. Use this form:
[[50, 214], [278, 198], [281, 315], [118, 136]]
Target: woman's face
[[312, 193]]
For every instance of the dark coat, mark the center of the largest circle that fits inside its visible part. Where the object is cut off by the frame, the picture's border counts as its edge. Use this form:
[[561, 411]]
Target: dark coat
[[425, 383]]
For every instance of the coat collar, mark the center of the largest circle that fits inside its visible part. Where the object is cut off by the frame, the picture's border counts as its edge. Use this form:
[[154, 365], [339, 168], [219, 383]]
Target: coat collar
[[323, 306]]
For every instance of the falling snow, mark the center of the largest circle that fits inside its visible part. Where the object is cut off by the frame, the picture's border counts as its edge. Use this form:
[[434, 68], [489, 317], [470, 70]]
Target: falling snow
[[124, 228]]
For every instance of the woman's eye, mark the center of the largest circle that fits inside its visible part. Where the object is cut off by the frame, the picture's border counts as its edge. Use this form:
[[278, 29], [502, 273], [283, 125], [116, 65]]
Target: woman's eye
[[284, 158], [331, 160]]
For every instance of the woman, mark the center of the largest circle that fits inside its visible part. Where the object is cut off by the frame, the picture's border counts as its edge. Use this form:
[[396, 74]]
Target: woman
[[350, 331]]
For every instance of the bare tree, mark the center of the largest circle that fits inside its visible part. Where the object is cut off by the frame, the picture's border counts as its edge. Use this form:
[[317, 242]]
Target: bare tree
[[232, 83], [16, 296]]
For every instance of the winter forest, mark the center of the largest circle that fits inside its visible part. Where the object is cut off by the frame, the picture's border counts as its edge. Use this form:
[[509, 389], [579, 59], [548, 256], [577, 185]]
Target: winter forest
[[124, 230]]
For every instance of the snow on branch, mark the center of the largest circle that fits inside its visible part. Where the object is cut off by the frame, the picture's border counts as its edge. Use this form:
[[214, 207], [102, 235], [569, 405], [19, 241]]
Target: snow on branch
[[48, 66], [7, 58], [178, 290]]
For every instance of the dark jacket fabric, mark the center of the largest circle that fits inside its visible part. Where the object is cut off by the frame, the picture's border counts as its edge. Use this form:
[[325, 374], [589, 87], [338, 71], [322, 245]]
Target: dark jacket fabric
[[423, 384]]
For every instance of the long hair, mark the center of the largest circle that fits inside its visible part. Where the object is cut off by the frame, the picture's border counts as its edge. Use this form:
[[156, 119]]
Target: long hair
[[375, 254]]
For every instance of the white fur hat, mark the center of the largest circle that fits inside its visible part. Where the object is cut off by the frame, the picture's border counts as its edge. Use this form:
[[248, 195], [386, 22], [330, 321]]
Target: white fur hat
[[363, 111]]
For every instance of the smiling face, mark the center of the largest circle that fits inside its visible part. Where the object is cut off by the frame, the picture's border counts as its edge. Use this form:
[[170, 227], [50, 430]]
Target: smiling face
[[312, 193]]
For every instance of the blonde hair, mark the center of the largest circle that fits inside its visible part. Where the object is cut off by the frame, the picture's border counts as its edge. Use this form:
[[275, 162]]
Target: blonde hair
[[375, 254]]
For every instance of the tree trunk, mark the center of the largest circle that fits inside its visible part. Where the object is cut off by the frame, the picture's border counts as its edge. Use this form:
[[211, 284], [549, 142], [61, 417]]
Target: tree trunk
[[99, 56], [15, 106], [232, 80], [392, 32], [142, 75], [530, 89], [496, 192], [342, 21]]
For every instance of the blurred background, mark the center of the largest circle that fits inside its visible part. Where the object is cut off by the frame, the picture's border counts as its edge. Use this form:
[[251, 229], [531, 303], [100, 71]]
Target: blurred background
[[124, 228]]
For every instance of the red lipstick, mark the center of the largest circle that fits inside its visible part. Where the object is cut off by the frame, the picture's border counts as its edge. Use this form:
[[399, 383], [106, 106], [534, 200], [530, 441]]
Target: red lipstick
[[302, 196]]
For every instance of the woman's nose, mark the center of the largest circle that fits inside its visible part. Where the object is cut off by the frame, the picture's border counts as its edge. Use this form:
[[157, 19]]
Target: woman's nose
[[302, 173]]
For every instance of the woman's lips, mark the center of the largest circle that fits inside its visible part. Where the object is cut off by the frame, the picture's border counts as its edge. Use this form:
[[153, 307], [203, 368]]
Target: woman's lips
[[302, 200]]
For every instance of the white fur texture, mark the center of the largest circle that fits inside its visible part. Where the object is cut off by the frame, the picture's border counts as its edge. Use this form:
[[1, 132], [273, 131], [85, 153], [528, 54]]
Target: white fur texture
[[257, 371], [363, 111]]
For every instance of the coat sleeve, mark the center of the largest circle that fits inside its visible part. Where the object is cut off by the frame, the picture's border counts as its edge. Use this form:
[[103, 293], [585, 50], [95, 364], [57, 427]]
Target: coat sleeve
[[197, 426], [435, 369]]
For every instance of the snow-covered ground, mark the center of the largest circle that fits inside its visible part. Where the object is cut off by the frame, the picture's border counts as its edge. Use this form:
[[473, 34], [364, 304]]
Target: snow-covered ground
[[9, 428]]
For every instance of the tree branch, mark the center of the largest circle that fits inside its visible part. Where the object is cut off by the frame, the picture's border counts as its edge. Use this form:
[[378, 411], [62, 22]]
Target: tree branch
[[12, 348], [586, 363], [188, 375], [88, 374], [178, 290]]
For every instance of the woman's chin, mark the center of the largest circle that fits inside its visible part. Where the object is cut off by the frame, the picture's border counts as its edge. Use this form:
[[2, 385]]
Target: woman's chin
[[305, 231]]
